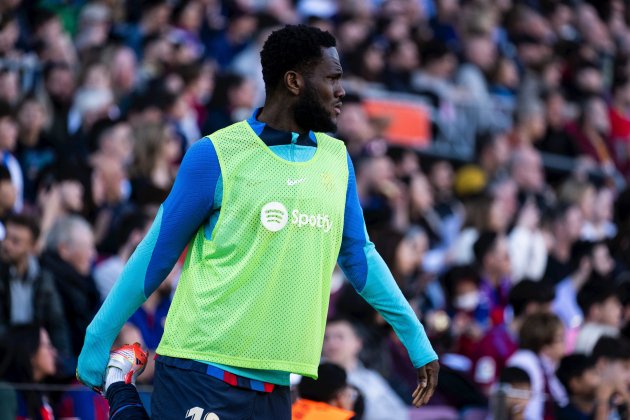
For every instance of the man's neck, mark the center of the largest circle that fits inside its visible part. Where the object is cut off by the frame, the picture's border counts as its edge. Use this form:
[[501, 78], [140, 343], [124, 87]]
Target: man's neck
[[585, 404], [276, 114], [21, 267], [492, 278]]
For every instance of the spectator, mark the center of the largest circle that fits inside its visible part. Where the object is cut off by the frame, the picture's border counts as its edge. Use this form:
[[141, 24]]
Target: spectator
[[541, 346], [601, 226], [556, 140], [493, 260], [484, 213], [422, 212], [69, 255], [438, 67], [60, 86], [110, 189], [499, 343], [27, 292], [329, 397], [480, 54], [61, 192], [381, 194], [528, 248], [592, 131], [511, 394], [565, 305], [34, 150], [342, 346], [401, 60], [27, 356], [153, 171], [612, 360], [8, 143], [529, 125], [601, 307], [566, 222], [8, 197], [231, 100], [492, 154], [527, 171], [620, 123], [589, 391], [131, 230]]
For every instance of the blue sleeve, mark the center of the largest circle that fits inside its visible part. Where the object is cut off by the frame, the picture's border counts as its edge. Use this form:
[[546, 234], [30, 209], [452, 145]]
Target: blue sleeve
[[188, 205], [369, 275]]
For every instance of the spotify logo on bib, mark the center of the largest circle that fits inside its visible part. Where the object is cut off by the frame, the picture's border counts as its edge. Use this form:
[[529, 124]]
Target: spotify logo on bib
[[274, 216]]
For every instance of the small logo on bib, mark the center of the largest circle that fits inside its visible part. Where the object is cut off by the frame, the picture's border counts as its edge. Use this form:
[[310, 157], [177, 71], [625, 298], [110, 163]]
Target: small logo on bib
[[291, 182], [274, 216]]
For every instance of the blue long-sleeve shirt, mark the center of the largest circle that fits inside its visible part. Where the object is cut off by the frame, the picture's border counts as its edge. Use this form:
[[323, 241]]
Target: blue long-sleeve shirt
[[195, 201]]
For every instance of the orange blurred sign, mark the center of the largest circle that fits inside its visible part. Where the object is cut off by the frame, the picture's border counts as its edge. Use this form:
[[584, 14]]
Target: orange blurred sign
[[407, 123], [311, 410]]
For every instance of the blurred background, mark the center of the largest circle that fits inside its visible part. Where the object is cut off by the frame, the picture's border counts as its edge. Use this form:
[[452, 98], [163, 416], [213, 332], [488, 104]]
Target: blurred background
[[491, 141]]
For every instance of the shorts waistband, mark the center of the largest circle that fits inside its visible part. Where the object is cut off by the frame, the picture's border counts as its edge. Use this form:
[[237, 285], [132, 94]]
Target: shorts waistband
[[218, 373]]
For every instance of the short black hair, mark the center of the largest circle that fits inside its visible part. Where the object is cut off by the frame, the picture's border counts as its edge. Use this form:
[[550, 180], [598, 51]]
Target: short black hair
[[579, 250], [612, 348], [539, 330], [331, 379], [130, 222], [6, 110], [5, 175], [294, 47], [526, 291], [484, 244], [573, 366], [595, 291], [514, 375], [434, 50], [26, 221], [456, 275]]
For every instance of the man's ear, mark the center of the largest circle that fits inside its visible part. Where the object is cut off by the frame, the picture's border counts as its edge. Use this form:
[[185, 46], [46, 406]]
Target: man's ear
[[294, 82]]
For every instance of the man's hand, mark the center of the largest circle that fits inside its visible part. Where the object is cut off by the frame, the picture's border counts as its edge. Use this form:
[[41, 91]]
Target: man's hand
[[427, 382]]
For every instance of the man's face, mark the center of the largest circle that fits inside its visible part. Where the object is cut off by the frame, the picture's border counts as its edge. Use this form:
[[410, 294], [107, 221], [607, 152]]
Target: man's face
[[80, 252], [587, 384], [603, 264], [341, 344], [500, 262], [611, 312], [17, 244], [319, 104], [8, 134]]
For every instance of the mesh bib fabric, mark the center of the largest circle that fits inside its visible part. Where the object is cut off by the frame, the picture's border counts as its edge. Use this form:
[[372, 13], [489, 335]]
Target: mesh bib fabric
[[256, 294]]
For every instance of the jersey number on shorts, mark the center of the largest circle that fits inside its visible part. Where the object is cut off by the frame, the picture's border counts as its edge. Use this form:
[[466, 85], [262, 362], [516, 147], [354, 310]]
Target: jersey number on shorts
[[196, 413]]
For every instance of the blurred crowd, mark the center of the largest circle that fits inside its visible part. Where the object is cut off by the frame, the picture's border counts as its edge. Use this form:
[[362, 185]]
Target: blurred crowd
[[519, 273]]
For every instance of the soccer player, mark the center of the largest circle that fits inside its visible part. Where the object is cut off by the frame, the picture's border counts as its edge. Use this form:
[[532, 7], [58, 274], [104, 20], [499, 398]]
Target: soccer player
[[267, 206]]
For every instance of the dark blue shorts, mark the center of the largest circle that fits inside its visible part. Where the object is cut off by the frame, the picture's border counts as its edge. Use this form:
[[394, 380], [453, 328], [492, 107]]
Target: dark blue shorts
[[188, 394]]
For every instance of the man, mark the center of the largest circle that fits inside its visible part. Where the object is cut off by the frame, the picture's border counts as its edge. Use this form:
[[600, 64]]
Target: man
[[8, 142], [493, 260], [541, 346], [69, 256], [600, 304], [589, 391], [8, 195], [527, 297], [251, 304], [27, 292], [587, 259], [342, 345], [330, 397]]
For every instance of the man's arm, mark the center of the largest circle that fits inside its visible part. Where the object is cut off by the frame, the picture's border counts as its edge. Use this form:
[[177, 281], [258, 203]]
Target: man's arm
[[369, 275], [188, 205]]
